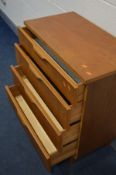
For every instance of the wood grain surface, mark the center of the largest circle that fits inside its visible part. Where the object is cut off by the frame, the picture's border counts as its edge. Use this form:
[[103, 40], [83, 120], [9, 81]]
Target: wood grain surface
[[99, 115], [68, 113], [86, 49], [67, 86], [47, 143]]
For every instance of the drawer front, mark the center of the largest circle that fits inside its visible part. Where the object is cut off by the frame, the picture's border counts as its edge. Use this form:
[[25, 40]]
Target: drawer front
[[12, 93], [72, 90], [67, 152], [72, 134], [46, 90], [39, 108]]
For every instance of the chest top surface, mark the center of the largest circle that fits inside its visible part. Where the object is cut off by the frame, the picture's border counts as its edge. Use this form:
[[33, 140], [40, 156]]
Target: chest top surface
[[85, 48]]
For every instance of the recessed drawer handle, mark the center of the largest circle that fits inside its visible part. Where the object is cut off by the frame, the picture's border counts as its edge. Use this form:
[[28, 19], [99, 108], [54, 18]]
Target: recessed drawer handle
[[40, 52], [35, 74]]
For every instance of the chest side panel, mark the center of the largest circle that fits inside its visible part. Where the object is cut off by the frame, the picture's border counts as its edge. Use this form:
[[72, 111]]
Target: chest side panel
[[99, 118]]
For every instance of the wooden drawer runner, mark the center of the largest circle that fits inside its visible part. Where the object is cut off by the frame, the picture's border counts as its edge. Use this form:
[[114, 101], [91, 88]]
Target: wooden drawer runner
[[45, 146], [72, 90], [68, 113]]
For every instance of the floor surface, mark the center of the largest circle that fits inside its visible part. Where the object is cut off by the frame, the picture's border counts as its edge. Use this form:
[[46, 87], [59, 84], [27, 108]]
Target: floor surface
[[17, 154]]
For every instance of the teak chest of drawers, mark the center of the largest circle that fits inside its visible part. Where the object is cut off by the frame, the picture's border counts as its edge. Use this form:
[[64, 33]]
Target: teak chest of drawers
[[64, 88]]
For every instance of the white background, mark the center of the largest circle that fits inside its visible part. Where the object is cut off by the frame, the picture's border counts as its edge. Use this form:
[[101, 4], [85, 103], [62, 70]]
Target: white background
[[100, 12]]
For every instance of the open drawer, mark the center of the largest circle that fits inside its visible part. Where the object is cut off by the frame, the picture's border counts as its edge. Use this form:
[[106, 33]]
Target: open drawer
[[39, 108], [58, 135], [45, 146], [71, 86], [55, 101]]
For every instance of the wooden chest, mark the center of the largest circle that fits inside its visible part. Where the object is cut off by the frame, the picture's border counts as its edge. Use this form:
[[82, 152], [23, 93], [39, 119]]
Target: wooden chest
[[64, 88]]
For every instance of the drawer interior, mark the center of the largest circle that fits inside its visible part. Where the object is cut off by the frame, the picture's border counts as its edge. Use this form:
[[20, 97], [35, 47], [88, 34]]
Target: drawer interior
[[75, 112], [45, 140], [55, 57], [42, 84], [29, 119], [67, 135], [24, 59], [45, 146], [32, 93]]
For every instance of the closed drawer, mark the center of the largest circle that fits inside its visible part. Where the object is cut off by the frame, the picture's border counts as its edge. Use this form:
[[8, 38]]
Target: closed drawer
[[55, 101], [72, 89], [45, 146]]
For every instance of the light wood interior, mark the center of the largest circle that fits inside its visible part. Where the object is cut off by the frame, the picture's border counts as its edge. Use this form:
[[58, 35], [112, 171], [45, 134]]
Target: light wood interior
[[37, 100], [47, 143], [42, 104], [68, 135], [12, 92], [67, 151]]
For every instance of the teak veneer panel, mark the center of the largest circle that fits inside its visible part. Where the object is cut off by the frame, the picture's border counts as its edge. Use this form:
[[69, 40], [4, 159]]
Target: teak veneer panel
[[90, 53], [99, 115], [86, 49]]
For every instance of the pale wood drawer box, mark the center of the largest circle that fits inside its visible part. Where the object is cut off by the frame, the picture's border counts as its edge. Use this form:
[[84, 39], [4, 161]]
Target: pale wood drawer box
[[65, 86]]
